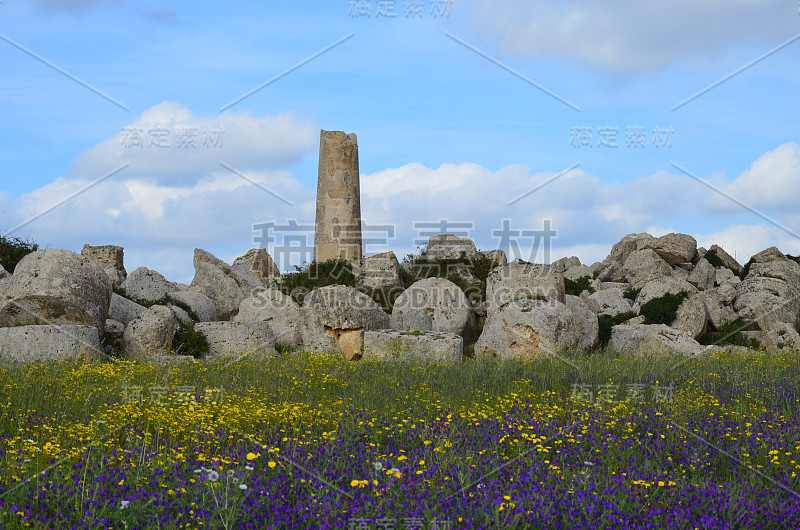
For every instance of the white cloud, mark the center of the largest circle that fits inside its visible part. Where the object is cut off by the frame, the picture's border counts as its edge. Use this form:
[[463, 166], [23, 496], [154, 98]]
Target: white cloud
[[160, 224], [194, 145], [772, 181], [742, 241], [587, 213], [631, 35]]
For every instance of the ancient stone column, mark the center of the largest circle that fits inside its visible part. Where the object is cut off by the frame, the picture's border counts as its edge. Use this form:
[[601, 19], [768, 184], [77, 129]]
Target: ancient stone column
[[338, 225], [110, 257]]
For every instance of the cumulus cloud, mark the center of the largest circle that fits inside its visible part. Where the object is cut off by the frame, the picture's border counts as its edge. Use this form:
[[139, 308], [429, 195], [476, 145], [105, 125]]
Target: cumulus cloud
[[171, 144], [587, 214], [160, 223], [773, 181], [630, 35], [742, 241]]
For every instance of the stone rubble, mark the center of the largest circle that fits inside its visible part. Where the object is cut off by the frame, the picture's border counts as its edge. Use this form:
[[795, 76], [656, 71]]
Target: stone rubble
[[59, 304]]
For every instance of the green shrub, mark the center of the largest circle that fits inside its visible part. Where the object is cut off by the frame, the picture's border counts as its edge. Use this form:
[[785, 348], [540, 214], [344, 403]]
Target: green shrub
[[713, 258], [796, 259], [383, 297], [746, 269], [115, 343], [664, 309], [631, 293], [731, 333], [336, 271], [187, 341], [405, 276], [12, 250], [421, 268], [606, 322], [576, 287]]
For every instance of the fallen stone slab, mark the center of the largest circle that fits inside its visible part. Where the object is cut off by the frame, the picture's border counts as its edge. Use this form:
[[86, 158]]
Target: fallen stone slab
[[645, 339], [527, 329], [335, 317], [727, 260], [608, 302], [498, 257], [201, 305], [411, 322], [150, 333], [278, 310], [258, 263], [518, 281], [62, 288], [588, 325], [767, 301], [413, 345], [659, 287], [379, 272], [441, 299], [110, 258], [448, 246], [645, 265], [577, 272], [237, 338], [146, 285], [50, 342], [36, 309], [703, 275], [627, 246], [124, 310], [223, 284], [674, 248], [561, 265]]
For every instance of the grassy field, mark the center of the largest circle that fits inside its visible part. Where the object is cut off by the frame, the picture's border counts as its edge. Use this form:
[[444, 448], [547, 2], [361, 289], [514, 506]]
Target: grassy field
[[309, 440]]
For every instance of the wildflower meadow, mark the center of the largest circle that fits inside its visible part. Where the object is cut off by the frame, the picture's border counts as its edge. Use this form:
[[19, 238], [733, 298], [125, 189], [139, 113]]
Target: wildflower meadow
[[310, 440]]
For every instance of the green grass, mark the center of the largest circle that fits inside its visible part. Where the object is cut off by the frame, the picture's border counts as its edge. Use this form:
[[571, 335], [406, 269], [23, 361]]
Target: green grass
[[75, 391], [347, 415]]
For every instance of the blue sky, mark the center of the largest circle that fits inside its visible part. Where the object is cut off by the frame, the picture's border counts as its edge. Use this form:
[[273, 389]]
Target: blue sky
[[444, 131]]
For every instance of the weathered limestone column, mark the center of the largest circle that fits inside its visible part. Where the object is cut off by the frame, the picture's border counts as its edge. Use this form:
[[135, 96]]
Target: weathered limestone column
[[338, 225], [110, 257]]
